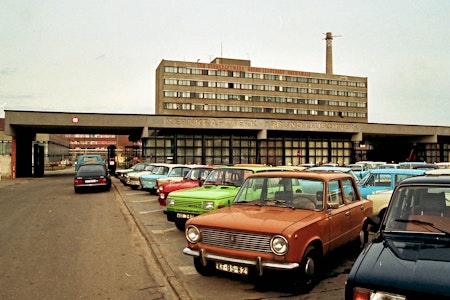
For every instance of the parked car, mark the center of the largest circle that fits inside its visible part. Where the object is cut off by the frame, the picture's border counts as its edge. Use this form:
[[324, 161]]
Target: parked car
[[218, 191], [361, 168], [425, 166], [123, 174], [443, 165], [133, 179], [335, 169], [389, 166], [380, 200], [384, 179], [194, 178], [87, 158], [162, 170], [91, 176], [409, 257], [273, 224], [177, 174]]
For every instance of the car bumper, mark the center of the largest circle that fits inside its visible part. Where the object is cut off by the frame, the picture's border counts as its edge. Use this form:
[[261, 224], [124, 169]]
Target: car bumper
[[257, 263]]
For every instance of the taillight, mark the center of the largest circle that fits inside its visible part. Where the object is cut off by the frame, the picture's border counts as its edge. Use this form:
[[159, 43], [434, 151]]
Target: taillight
[[78, 181], [102, 180]]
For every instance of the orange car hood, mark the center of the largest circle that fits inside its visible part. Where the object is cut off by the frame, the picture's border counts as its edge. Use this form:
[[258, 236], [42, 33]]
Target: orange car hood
[[267, 219]]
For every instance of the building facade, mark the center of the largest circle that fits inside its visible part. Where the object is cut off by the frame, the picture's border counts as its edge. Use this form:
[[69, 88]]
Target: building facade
[[233, 88]]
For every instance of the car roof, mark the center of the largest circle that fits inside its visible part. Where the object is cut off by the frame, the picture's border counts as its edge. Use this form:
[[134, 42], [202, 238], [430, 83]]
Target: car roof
[[307, 175], [397, 171], [252, 168], [327, 168], [427, 179]]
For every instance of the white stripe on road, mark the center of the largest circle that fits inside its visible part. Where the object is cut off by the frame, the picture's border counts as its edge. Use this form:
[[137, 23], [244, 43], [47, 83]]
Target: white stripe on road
[[142, 201], [143, 212], [162, 231]]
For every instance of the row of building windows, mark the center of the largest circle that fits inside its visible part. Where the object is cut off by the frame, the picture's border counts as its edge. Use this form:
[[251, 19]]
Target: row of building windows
[[265, 76], [175, 94], [259, 109], [90, 136], [259, 87], [243, 149]]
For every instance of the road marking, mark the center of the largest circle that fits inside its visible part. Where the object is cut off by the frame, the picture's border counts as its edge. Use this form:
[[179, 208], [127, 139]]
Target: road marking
[[142, 201], [132, 194], [143, 212], [188, 270], [162, 231]]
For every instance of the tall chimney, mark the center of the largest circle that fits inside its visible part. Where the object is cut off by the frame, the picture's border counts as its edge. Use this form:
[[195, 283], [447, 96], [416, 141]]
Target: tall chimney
[[329, 62]]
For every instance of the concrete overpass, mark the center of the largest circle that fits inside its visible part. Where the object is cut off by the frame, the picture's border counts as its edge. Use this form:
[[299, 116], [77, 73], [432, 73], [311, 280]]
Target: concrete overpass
[[23, 126]]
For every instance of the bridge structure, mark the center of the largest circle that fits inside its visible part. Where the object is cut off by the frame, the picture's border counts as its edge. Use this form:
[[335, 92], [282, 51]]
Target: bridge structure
[[23, 126]]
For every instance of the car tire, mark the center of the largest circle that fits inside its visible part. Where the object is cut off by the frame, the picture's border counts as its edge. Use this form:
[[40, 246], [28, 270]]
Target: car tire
[[207, 270], [180, 224], [77, 190], [307, 273]]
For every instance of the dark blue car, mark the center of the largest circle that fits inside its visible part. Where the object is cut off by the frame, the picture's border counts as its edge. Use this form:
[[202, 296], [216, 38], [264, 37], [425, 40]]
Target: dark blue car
[[409, 258]]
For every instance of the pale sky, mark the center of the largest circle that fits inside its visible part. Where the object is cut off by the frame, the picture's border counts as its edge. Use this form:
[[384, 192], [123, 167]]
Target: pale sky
[[101, 56]]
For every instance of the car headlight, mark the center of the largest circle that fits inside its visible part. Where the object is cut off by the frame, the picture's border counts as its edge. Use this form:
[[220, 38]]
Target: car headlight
[[193, 234], [279, 245], [170, 202], [360, 293], [208, 205]]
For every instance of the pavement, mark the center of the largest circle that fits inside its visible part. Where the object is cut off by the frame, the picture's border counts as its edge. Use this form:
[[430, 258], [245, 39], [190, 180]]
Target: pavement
[[162, 272]]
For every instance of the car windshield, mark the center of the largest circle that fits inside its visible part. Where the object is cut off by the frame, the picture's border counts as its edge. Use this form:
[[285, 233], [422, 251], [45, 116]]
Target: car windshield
[[178, 172], [282, 191], [197, 174], [230, 177], [160, 170], [421, 209]]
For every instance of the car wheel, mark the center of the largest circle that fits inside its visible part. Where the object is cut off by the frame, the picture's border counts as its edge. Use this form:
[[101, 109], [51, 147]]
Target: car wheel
[[307, 273], [134, 187], [207, 270], [180, 224], [77, 190]]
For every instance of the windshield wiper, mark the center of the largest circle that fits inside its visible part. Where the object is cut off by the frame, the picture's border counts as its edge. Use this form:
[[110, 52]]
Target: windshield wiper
[[422, 223]]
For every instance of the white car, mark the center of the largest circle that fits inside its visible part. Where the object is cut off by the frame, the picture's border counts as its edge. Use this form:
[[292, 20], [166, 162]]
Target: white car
[[380, 201]]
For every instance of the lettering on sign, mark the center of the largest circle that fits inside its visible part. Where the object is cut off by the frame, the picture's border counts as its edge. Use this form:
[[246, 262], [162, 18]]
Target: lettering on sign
[[310, 126], [252, 69], [174, 122], [210, 123]]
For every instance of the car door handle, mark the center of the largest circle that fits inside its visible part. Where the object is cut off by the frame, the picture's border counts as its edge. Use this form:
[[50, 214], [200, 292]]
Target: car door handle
[[347, 213]]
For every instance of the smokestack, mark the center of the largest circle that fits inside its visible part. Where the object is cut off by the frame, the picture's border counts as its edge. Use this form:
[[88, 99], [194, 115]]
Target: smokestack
[[329, 62]]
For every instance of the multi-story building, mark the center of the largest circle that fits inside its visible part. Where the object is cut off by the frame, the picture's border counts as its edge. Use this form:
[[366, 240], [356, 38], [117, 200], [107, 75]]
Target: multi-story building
[[233, 88]]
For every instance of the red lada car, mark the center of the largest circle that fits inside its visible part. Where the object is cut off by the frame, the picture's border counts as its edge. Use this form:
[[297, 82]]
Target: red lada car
[[194, 178], [284, 221]]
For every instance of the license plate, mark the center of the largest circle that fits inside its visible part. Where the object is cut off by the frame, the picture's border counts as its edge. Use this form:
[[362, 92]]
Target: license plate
[[184, 216], [232, 268], [90, 181]]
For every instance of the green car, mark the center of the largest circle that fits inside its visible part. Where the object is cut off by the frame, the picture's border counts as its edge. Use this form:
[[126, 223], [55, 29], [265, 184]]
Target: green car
[[218, 191]]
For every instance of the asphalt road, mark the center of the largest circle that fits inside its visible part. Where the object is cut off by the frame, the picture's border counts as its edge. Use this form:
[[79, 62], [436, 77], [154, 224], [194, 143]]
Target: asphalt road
[[55, 244]]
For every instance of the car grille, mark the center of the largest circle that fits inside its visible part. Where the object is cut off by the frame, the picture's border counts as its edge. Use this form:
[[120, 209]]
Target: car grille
[[188, 203], [236, 240]]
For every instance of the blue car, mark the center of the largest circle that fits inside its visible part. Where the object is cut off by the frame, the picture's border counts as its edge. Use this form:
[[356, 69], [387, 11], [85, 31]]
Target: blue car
[[162, 170], [384, 179]]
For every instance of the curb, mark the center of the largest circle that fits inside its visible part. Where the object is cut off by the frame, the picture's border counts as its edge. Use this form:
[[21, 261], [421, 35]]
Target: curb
[[168, 275]]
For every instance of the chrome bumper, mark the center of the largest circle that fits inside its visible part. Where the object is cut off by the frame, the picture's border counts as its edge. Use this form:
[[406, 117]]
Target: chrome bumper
[[258, 262]]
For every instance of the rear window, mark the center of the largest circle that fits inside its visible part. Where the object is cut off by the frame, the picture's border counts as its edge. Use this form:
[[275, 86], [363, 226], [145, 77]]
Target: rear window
[[91, 169]]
